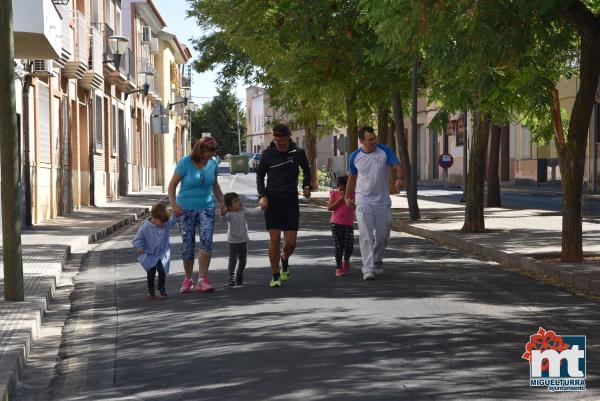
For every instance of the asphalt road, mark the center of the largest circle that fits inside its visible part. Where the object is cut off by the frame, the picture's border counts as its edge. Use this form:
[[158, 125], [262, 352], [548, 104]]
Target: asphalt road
[[437, 326]]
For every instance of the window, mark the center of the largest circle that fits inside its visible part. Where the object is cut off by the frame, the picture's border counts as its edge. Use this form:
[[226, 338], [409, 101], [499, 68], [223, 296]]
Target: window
[[44, 124], [121, 128], [98, 129], [95, 12], [459, 128], [113, 130], [525, 143], [118, 22]]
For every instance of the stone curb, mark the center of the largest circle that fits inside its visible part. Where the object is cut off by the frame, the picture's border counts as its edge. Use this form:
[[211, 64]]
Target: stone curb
[[17, 359], [559, 274]]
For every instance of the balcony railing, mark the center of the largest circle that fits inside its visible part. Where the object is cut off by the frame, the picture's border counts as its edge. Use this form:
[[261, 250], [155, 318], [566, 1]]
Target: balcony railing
[[67, 31], [108, 54], [131, 65], [179, 107], [96, 50], [155, 84], [82, 41]]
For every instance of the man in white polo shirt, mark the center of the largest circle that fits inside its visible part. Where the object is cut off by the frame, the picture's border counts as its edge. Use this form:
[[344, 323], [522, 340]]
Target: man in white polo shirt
[[368, 176]]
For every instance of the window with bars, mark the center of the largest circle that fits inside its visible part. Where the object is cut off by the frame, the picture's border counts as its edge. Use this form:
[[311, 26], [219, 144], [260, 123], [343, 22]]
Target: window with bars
[[121, 128], [113, 130], [98, 128]]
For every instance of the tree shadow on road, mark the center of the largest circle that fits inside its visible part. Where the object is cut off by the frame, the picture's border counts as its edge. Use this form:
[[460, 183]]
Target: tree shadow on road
[[437, 326]]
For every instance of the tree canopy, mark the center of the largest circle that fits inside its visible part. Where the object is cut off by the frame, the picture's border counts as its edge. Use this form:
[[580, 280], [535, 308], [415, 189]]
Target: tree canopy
[[219, 117]]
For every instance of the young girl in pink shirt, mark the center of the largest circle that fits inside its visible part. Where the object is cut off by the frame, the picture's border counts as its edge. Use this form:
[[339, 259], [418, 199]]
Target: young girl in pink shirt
[[342, 220]]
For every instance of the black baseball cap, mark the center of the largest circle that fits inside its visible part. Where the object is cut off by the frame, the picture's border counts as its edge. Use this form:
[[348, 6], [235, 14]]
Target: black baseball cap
[[281, 129]]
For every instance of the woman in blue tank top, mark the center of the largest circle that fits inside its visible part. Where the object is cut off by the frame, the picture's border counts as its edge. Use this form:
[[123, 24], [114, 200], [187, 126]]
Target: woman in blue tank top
[[196, 175]]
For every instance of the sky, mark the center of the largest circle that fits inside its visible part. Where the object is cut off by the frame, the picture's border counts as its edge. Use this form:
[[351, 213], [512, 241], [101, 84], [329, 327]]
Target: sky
[[174, 14]]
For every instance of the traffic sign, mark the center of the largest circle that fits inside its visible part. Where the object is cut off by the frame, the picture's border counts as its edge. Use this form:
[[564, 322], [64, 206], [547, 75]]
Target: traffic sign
[[446, 160]]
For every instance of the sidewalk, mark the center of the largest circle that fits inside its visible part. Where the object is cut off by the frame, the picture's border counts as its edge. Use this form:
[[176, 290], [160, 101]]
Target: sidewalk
[[46, 248], [518, 238]]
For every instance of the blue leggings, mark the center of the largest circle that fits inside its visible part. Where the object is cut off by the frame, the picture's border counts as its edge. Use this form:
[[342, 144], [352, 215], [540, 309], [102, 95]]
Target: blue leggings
[[204, 221]]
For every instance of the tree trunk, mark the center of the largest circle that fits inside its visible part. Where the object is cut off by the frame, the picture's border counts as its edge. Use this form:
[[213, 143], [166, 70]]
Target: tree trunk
[[9, 170], [572, 153], [493, 179], [474, 220], [351, 122], [572, 183], [402, 143], [311, 153], [384, 138]]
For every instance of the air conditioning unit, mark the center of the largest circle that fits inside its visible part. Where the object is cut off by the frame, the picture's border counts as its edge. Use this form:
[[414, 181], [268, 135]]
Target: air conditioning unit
[[42, 68], [154, 45], [146, 34]]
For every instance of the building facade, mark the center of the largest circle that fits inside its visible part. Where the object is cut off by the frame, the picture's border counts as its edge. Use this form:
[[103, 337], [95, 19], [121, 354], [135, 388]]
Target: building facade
[[84, 116]]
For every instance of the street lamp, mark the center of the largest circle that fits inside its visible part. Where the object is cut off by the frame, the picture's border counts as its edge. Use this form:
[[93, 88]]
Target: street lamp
[[147, 79], [187, 94], [117, 46]]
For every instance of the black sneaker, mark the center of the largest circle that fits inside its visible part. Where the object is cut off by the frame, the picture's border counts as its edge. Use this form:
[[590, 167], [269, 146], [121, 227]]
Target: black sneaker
[[239, 280], [151, 293], [231, 282]]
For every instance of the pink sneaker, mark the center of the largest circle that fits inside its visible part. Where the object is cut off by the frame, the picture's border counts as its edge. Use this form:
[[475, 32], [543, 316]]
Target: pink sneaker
[[187, 285], [339, 272], [204, 285], [346, 267]]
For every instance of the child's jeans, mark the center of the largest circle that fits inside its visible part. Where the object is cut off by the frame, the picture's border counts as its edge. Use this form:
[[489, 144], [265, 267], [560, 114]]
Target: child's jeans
[[161, 276], [237, 251]]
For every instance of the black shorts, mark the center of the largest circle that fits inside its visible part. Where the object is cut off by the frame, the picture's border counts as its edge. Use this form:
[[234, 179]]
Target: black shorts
[[283, 212]]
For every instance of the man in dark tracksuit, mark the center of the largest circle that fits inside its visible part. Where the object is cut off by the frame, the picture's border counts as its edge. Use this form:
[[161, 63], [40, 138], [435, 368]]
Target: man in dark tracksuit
[[280, 162]]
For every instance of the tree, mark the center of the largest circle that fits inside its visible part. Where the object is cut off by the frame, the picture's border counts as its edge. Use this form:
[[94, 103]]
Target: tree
[[391, 74], [219, 117], [472, 56], [583, 17]]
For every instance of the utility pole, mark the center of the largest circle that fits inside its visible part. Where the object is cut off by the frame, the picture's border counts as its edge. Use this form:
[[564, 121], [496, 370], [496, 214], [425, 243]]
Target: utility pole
[[413, 145], [9, 148]]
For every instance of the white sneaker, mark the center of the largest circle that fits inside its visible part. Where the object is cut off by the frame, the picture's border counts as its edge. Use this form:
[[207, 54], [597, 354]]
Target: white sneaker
[[378, 271], [368, 276]]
